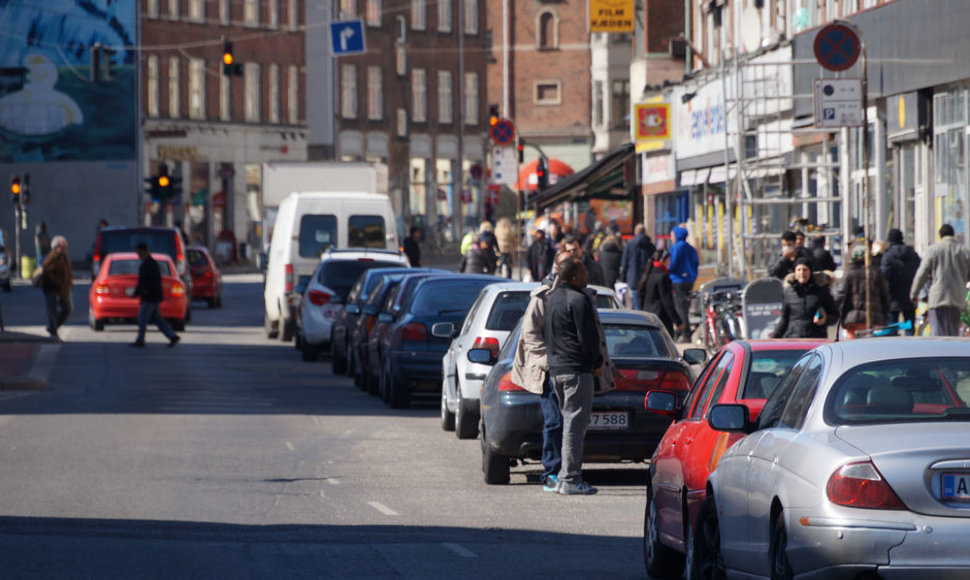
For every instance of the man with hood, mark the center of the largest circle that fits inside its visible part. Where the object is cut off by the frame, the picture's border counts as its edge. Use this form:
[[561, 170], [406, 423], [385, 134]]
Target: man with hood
[[808, 304], [683, 272], [899, 265], [636, 254]]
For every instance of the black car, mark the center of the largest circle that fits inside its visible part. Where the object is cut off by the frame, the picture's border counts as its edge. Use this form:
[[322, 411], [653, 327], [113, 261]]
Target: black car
[[620, 428]]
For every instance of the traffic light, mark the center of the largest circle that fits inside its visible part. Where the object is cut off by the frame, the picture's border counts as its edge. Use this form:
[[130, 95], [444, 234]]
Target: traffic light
[[15, 189], [229, 65], [542, 173], [492, 115], [521, 148], [25, 189], [163, 185]]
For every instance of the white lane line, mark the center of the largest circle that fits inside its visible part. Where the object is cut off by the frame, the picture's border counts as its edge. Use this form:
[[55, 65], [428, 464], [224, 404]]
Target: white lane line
[[333, 481], [382, 508], [290, 446], [460, 550]]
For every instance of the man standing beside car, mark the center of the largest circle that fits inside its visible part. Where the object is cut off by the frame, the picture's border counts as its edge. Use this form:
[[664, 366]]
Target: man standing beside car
[[573, 362], [149, 291]]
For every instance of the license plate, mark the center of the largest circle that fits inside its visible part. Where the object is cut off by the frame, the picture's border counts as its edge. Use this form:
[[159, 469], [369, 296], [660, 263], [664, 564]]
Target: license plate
[[129, 291], [609, 420], [956, 486]]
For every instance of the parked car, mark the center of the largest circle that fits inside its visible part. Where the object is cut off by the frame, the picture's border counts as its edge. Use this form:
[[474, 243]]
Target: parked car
[[363, 374], [412, 346], [206, 277], [620, 428], [742, 372], [111, 297], [159, 239], [491, 317], [858, 466], [326, 290]]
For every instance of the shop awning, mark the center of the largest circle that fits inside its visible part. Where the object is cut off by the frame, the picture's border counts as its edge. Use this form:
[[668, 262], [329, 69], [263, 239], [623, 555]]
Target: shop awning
[[603, 179]]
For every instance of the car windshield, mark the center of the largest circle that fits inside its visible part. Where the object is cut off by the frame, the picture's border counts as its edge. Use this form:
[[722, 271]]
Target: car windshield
[[130, 267], [340, 275], [633, 341], [446, 296], [925, 389], [766, 369], [507, 309]]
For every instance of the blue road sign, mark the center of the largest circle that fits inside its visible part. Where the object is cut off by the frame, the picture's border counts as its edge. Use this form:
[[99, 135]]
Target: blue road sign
[[347, 37], [837, 47], [503, 132]]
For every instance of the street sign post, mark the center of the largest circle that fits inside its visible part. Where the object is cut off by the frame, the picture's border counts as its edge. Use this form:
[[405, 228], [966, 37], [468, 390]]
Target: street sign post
[[837, 47], [838, 103], [347, 37], [502, 133], [504, 165]]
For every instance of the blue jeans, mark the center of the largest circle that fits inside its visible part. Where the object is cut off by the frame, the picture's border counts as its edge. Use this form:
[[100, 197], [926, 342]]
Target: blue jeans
[[149, 312], [551, 431]]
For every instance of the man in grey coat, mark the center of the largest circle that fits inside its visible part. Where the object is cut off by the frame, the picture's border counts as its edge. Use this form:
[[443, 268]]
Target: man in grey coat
[[947, 262]]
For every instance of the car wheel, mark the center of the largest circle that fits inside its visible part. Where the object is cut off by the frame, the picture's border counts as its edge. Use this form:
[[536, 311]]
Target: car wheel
[[398, 396], [211, 302], [351, 361], [466, 425], [338, 363], [708, 563], [219, 300], [308, 352], [495, 466], [447, 417], [689, 554], [382, 388], [269, 328], [778, 551], [360, 377], [96, 324], [660, 561], [178, 325], [372, 384], [188, 313]]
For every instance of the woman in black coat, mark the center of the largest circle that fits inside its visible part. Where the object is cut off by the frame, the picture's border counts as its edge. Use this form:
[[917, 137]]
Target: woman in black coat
[[808, 307], [610, 253], [656, 291]]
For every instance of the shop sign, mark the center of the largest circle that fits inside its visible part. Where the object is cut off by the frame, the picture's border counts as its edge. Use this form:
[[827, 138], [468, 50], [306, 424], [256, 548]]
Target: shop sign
[[179, 153], [611, 15], [653, 121], [656, 168], [699, 120]]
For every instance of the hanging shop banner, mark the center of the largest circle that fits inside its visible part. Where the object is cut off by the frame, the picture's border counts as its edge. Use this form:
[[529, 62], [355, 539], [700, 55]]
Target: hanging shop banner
[[611, 15], [652, 122]]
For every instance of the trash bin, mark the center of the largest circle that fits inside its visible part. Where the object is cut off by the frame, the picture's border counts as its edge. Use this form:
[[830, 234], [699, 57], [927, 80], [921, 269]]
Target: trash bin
[[27, 265]]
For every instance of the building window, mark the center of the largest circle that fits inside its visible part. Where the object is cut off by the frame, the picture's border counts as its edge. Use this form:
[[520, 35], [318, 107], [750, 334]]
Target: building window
[[348, 8], [444, 15], [348, 92], [293, 95], [253, 91], [173, 9], [374, 12], [548, 27], [197, 10], [471, 98], [470, 16], [598, 114], [151, 9], [446, 107], [225, 98], [950, 148], [152, 86], [375, 93], [273, 10], [401, 62], [173, 87], [225, 12], [196, 88], [293, 14], [419, 14], [251, 12], [274, 93], [419, 95], [619, 104], [547, 93]]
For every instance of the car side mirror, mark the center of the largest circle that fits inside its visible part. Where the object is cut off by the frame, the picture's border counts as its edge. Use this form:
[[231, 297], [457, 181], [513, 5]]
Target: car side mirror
[[385, 318], [443, 329], [661, 402], [482, 356], [352, 308], [695, 356], [731, 417], [369, 310]]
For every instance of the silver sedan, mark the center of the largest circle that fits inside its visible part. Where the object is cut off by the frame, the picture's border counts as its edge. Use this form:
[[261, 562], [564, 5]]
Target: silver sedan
[[858, 467]]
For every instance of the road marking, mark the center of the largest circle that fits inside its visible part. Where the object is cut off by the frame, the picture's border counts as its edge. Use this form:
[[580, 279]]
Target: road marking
[[333, 481], [290, 446], [382, 508], [460, 550]]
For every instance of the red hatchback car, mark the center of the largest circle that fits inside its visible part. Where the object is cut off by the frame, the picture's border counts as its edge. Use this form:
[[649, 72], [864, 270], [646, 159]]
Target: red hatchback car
[[111, 297], [742, 372], [206, 277]]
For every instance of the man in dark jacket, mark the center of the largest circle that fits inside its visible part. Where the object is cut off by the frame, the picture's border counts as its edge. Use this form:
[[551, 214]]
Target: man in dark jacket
[[823, 258], [636, 254], [851, 295], [785, 265], [594, 274], [573, 361], [539, 256], [411, 248], [149, 291], [609, 256], [479, 259], [899, 265]]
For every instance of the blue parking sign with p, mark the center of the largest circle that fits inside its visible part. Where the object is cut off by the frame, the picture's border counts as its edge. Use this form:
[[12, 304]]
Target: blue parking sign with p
[[347, 37]]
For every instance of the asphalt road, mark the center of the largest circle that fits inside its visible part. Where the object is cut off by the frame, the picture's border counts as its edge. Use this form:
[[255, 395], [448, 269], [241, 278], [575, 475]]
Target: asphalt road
[[228, 457]]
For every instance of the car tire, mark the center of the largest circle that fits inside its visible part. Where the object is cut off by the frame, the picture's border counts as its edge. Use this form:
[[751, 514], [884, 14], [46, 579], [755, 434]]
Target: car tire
[[338, 363], [398, 396], [188, 312], [778, 551], [708, 562], [659, 560], [96, 324], [271, 330], [372, 384], [447, 417], [211, 302], [219, 300], [360, 377], [351, 372], [178, 324], [308, 352], [466, 424], [495, 467], [287, 330]]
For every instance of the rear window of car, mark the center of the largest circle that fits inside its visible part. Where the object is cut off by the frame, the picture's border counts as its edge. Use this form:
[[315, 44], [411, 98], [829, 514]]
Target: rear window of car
[[125, 267], [605, 301], [366, 231], [317, 233], [507, 309], [340, 275], [196, 258], [633, 341], [446, 296], [159, 241], [765, 371]]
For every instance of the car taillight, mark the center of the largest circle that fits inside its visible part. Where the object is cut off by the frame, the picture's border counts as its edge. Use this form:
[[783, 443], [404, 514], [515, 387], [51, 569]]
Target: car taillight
[[178, 289], [489, 342], [288, 278], [674, 381], [318, 297], [506, 384], [102, 289], [414, 331], [647, 380], [860, 485]]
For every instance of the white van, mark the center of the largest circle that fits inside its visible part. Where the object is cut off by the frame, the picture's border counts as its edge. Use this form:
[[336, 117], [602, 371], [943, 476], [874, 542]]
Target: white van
[[307, 224]]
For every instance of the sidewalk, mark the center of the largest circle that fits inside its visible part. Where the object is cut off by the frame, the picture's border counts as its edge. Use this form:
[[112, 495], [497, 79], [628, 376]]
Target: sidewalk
[[25, 360]]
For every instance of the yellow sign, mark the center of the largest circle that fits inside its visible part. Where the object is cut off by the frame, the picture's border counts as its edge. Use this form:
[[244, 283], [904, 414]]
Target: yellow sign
[[652, 121], [611, 15]]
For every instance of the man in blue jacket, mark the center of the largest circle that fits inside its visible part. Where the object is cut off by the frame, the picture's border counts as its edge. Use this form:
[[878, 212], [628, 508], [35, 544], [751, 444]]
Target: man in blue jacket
[[683, 273]]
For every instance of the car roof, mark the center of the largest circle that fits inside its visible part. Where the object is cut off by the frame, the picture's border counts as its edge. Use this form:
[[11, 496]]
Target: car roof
[[358, 253], [783, 343], [611, 316], [850, 353]]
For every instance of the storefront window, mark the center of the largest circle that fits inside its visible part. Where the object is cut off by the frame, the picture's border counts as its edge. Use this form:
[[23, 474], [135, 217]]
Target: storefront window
[[949, 141]]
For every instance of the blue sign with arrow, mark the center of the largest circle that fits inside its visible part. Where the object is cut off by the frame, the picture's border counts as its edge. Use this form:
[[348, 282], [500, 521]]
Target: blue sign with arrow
[[347, 37]]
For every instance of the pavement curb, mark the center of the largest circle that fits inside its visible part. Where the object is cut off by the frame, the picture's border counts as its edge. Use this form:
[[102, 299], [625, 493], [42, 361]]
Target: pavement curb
[[32, 365]]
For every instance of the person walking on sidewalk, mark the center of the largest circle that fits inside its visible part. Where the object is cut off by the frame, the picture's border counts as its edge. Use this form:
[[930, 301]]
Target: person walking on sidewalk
[[149, 291], [411, 248], [947, 262], [899, 264], [573, 362], [683, 272], [57, 278]]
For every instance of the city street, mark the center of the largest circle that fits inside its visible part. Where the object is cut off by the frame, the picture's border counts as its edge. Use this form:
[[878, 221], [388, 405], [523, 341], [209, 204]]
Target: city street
[[228, 457]]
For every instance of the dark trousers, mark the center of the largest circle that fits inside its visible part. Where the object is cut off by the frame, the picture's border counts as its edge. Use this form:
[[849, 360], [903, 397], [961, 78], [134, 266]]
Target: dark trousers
[[59, 307], [945, 321], [551, 431], [149, 312], [682, 292], [908, 313]]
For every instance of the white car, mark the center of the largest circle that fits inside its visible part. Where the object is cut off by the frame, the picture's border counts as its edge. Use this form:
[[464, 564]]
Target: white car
[[490, 319], [327, 290]]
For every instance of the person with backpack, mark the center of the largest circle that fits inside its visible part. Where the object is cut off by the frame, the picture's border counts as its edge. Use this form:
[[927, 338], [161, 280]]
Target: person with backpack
[[899, 265], [636, 254]]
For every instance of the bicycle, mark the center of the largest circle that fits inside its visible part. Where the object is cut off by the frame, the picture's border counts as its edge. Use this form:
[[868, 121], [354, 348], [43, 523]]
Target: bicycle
[[721, 318]]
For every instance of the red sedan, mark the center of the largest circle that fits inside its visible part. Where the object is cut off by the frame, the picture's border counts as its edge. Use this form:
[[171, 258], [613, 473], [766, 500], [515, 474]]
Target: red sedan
[[206, 277], [742, 372], [111, 297]]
